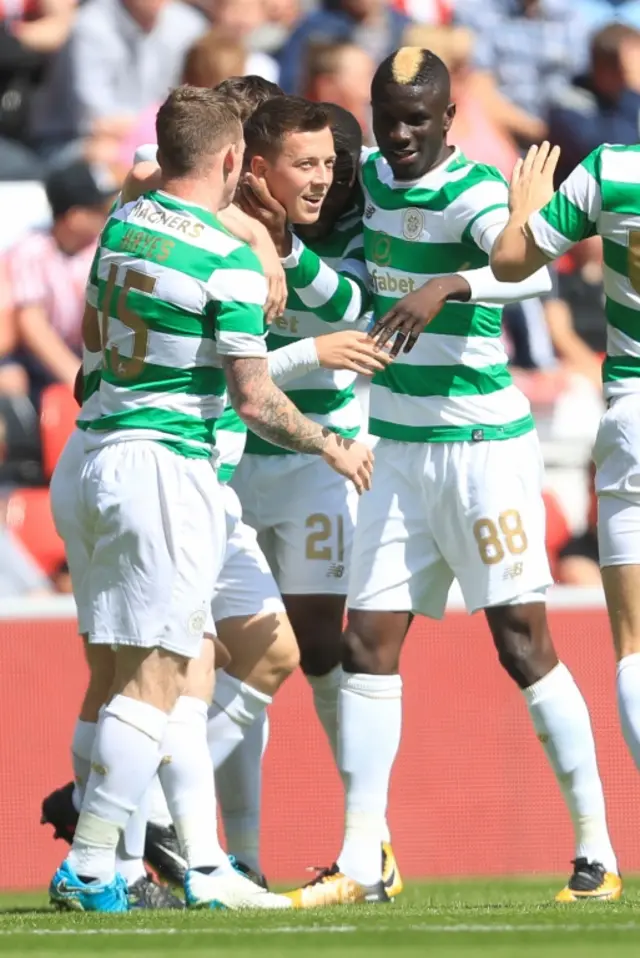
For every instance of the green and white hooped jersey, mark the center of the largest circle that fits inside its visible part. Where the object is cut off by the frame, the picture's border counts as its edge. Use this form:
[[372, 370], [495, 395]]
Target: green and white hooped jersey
[[326, 396], [173, 292], [455, 384], [602, 197]]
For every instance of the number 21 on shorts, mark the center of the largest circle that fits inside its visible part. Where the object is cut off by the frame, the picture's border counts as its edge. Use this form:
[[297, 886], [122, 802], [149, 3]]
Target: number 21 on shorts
[[495, 540]]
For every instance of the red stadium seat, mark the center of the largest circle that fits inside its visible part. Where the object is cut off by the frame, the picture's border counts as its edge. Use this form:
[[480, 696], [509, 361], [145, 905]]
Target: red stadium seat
[[29, 518], [557, 531], [57, 418]]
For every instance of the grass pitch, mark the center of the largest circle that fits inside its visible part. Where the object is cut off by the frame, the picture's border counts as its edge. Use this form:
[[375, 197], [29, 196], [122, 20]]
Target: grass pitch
[[480, 919]]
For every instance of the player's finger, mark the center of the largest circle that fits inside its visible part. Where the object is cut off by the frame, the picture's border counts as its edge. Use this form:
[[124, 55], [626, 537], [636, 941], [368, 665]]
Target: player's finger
[[541, 156], [529, 160], [261, 191], [369, 353], [387, 332], [552, 160], [412, 339], [517, 172], [365, 477]]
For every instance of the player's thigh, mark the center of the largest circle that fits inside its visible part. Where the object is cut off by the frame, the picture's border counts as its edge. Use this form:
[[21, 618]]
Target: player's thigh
[[160, 539], [396, 565], [314, 514], [490, 520], [73, 522], [617, 458], [245, 586]]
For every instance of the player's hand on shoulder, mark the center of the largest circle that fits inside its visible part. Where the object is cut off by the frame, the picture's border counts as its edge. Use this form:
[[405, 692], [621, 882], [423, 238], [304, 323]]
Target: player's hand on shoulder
[[353, 350], [266, 252], [351, 459]]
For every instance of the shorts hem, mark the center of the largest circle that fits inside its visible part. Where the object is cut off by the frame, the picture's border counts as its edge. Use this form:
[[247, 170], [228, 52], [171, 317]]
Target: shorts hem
[[134, 643]]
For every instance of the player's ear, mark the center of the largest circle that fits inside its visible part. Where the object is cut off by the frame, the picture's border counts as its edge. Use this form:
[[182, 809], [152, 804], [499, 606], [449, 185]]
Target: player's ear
[[229, 162], [449, 116], [258, 166]]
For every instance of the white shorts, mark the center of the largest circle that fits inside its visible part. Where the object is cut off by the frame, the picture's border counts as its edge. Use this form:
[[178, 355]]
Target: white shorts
[[616, 455], [304, 514], [156, 529], [246, 585], [65, 505], [435, 512]]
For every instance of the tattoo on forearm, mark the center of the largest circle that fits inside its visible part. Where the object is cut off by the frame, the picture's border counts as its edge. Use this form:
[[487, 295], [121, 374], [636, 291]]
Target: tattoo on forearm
[[275, 419]]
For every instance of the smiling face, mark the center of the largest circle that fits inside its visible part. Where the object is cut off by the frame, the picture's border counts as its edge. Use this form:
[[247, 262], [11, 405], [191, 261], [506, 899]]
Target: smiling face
[[300, 174], [410, 124]]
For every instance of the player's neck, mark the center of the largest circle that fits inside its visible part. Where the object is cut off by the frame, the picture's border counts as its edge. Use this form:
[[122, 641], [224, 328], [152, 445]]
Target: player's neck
[[196, 192]]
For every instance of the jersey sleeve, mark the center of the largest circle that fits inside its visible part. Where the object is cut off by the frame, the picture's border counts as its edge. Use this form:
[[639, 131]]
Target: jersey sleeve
[[333, 295], [572, 212], [480, 211], [237, 292]]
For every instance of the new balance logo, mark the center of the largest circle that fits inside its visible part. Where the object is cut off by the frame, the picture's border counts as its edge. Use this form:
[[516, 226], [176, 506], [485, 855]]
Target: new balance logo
[[335, 570], [513, 571], [369, 211]]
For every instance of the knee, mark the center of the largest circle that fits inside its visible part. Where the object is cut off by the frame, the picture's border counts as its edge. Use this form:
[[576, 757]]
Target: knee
[[522, 640], [199, 678], [369, 650], [282, 658]]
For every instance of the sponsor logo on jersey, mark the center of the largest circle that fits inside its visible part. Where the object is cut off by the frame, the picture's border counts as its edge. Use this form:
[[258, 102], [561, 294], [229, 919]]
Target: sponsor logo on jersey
[[388, 283], [335, 570]]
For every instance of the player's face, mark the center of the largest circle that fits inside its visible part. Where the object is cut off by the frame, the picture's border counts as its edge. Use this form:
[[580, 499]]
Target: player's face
[[410, 125], [338, 200], [300, 176]]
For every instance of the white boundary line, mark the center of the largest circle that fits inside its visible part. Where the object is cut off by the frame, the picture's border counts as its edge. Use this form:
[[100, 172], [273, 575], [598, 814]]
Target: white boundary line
[[423, 928], [560, 598]]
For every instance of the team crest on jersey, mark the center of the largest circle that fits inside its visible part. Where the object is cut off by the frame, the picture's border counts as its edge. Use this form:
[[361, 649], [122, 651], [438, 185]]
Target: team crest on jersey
[[197, 622], [412, 224]]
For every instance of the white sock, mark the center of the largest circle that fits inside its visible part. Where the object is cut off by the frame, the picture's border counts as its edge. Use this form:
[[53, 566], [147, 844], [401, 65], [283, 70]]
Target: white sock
[[325, 690], [186, 774], [561, 720], [159, 812], [235, 707], [369, 728], [81, 747], [125, 757], [239, 786], [130, 850], [628, 687]]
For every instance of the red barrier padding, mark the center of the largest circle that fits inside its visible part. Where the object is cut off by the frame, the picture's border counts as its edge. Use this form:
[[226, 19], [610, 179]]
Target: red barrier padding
[[472, 793]]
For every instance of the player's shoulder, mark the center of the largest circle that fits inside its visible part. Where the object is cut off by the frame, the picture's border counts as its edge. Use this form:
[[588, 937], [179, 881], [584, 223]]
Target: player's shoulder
[[613, 161]]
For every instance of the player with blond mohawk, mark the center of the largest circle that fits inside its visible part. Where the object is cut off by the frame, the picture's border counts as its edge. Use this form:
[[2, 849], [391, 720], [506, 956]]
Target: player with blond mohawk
[[458, 477]]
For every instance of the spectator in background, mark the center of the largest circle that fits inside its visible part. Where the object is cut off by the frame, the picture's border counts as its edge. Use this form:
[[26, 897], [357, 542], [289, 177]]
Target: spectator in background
[[212, 58], [473, 131], [341, 73], [598, 13], [526, 51], [241, 20], [31, 33], [281, 18], [604, 105], [48, 273], [425, 11], [371, 25], [123, 55], [578, 560]]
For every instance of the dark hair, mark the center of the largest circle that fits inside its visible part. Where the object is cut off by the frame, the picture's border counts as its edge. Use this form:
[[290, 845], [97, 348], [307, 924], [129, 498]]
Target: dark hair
[[412, 66], [606, 43], [347, 132], [192, 125], [248, 93], [266, 129]]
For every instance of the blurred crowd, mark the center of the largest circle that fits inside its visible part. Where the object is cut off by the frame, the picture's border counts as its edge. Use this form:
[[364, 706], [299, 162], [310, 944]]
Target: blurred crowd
[[80, 81]]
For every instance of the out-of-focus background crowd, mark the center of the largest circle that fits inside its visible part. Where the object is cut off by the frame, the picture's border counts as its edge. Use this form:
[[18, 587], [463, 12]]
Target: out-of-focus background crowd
[[80, 81]]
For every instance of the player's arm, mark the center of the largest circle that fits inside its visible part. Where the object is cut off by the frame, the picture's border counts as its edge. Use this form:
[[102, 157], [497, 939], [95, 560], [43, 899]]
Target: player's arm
[[475, 218], [348, 349], [334, 296], [255, 397], [542, 224]]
